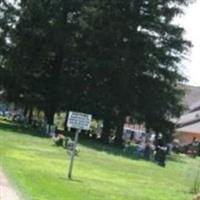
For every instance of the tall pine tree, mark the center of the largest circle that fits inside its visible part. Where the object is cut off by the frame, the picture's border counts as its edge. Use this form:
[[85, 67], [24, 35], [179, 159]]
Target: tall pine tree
[[135, 49]]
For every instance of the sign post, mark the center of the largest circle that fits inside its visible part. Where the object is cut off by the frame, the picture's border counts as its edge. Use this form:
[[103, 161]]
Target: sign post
[[73, 154], [79, 121]]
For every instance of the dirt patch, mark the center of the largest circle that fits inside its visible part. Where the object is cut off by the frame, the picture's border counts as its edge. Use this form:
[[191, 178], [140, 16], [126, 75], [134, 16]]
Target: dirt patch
[[6, 190]]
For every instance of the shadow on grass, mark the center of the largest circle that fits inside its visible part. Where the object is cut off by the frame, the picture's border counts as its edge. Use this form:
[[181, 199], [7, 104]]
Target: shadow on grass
[[177, 158], [71, 180], [117, 151], [109, 149], [89, 143], [17, 128]]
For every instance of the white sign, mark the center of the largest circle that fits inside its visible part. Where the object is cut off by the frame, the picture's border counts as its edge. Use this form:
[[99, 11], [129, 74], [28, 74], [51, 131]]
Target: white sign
[[79, 121]]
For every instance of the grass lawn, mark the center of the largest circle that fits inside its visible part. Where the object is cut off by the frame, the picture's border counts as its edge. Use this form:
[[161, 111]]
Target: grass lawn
[[38, 169]]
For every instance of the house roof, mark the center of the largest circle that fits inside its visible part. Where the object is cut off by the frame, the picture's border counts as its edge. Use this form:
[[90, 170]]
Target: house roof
[[195, 106], [189, 117], [192, 128], [192, 96], [190, 121]]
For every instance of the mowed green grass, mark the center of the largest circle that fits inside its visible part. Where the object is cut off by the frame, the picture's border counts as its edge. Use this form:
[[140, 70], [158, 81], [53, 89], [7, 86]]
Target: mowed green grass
[[39, 170]]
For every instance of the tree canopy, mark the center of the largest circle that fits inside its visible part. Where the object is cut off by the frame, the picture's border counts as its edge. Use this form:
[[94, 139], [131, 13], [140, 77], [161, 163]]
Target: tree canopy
[[112, 58]]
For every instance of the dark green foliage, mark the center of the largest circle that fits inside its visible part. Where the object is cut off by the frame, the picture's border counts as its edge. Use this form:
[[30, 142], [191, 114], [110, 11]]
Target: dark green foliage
[[109, 58], [42, 53], [133, 51]]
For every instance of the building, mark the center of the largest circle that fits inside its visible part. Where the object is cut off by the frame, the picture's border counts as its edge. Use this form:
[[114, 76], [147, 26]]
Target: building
[[188, 125]]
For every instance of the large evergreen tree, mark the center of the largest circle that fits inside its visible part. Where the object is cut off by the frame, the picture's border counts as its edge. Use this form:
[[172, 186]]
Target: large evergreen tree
[[135, 48], [109, 58], [41, 59]]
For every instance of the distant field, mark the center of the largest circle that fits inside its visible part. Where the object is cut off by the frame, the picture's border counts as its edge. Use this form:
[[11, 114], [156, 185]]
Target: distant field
[[38, 169]]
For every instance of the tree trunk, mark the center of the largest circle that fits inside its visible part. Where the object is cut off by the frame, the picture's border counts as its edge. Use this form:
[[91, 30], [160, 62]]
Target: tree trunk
[[65, 123], [119, 132], [49, 114], [156, 139], [30, 115], [25, 111], [106, 131]]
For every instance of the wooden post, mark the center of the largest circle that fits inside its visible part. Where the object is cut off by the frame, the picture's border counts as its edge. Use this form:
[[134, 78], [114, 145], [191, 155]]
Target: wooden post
[[73, 154]]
